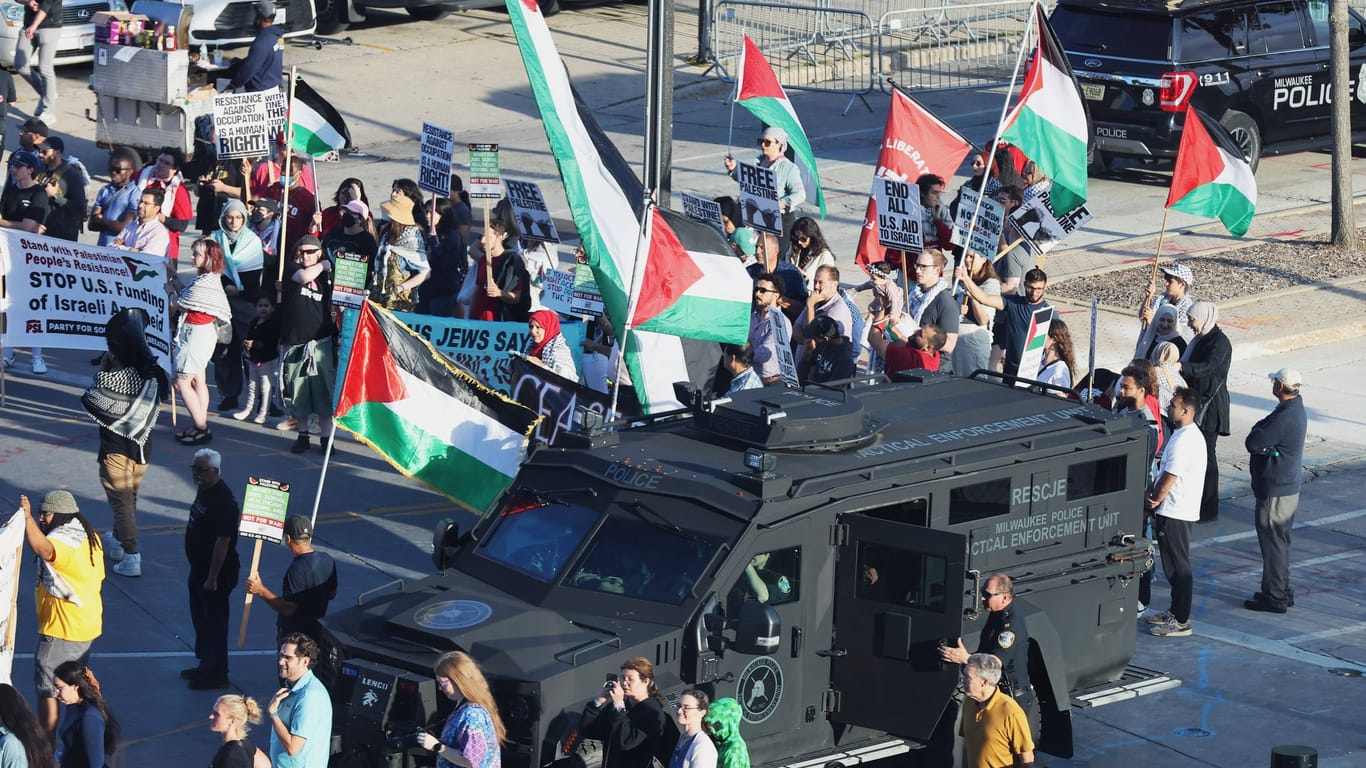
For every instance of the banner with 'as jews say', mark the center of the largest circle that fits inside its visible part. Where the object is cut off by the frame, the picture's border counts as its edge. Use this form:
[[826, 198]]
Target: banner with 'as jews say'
[[59, 294]]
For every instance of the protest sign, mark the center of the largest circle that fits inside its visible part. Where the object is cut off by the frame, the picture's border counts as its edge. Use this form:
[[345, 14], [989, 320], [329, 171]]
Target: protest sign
[[435, 158], [264, 506], [277, 112], [60, 294], [242, 125], [1031, 359], [11, 540], [485, 175], [898, 214], [759, 199], [349, 274], [483, 348], [782, 341], [1042, 230], [587, 299], [986, 233], [556, 398], [557, 289], [571, 292], [701, 209], [532, 214]]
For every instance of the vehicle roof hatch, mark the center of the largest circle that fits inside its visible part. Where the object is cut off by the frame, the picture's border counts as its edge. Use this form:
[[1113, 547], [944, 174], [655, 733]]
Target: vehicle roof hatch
[[809, 420]]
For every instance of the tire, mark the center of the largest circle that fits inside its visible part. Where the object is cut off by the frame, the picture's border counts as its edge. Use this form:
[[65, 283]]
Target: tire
[[1098, 164], [428, 12], [1245, 134], [549, 7], [331, 16]]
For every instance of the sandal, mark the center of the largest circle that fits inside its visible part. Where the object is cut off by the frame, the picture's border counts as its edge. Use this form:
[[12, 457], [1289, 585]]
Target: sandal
[[195, 437]]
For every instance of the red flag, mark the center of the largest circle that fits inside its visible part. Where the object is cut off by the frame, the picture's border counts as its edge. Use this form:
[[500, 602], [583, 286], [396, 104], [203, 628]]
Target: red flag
[[914, 143]]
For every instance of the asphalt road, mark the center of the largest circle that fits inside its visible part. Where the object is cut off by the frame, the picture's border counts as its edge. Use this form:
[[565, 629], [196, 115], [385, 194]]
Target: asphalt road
[[1251, 681]]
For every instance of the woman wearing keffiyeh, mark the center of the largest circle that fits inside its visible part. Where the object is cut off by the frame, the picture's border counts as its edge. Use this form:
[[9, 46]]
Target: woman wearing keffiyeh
[[124, 402], [203, 302]]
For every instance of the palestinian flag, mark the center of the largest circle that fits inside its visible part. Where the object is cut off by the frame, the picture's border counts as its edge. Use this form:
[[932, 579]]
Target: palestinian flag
[[757, 89], [1212, 178], [316, 127], [677, 290], [1050, 123], [1032, 355], [429, 418]]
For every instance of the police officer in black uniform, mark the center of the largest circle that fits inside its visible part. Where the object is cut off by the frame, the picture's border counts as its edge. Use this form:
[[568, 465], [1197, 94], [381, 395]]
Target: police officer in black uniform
[[1005, 637]]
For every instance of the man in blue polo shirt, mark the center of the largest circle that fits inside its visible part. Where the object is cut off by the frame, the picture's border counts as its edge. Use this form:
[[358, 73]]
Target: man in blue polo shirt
[[301, 712]]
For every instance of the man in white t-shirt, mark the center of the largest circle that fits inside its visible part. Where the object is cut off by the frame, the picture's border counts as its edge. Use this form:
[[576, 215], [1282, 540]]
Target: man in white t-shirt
[[1174, 499]]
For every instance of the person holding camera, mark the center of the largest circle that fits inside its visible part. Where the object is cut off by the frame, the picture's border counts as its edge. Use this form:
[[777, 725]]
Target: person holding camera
[[627, 716], [473, 733]]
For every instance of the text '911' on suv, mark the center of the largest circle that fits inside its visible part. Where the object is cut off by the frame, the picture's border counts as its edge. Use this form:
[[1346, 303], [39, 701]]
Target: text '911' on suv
[[1260, 68]]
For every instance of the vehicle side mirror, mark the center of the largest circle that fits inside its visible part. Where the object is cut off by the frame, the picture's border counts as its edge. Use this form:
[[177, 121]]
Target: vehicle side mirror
[[445, 543], [1356, 37], [759, 630]]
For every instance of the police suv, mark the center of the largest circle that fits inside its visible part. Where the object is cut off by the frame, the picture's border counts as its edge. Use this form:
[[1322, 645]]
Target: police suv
[[872, 517], [1260, 67]]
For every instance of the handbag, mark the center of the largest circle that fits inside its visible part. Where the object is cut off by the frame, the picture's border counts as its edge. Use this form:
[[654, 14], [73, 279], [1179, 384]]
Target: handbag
[[223, 330]]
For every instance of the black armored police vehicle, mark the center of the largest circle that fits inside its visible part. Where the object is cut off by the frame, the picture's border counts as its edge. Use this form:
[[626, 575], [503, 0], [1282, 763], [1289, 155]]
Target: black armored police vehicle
[[806, 552]]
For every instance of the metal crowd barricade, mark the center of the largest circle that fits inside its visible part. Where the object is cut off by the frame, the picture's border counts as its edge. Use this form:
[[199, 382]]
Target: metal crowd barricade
[[936, 44], [811, 47]]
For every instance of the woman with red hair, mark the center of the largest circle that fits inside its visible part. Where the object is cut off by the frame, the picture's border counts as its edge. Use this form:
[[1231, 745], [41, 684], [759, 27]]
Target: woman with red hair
[[204, 308], [547, 347]]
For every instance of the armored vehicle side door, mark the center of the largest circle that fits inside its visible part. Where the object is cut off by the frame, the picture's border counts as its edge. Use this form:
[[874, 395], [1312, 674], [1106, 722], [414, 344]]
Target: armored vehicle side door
[[898, 595]]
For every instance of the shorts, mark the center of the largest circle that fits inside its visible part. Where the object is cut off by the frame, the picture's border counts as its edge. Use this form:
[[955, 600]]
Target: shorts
[[194, 348], [53, 652]]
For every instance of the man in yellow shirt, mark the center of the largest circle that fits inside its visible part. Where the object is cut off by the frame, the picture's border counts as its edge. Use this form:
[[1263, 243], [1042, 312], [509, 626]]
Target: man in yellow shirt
[[70, 609], [995, 730]]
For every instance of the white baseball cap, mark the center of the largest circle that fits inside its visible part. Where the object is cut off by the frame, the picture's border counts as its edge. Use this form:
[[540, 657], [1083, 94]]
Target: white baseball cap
[[1288, 377]]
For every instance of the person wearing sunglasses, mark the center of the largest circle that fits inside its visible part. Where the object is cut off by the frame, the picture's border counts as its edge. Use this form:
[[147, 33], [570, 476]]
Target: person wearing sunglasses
[[1004, 636], [211, 549], [791, 189], [116, 203]]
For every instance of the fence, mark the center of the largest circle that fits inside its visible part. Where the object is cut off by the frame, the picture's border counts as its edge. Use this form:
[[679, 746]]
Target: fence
[[852, 46]]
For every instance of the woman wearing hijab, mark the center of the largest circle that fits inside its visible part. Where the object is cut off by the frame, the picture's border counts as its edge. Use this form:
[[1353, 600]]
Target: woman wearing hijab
[[547, 347], [1204, 365], [243, 265], [1166, 360], [1164, 327], [791, 189]]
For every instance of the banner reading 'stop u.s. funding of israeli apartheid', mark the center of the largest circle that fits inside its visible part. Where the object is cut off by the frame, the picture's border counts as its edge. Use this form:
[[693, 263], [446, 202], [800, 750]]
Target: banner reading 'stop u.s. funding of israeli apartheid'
[[60, 294]]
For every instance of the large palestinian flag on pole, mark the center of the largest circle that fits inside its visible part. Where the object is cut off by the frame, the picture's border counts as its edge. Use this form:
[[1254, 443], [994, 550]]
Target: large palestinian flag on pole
[[316, 127], [675, 291], [1050, 123], [757, 89], [1212, 178], [429, 418]]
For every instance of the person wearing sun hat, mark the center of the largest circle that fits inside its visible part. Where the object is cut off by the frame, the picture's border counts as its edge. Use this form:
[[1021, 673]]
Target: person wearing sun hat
[[403, 263], [791, 189], [1276, 446]]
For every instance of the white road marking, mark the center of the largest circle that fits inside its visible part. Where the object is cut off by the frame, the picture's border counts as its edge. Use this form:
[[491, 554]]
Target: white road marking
[[1252, 534], [1360, 626], [1279, 648]]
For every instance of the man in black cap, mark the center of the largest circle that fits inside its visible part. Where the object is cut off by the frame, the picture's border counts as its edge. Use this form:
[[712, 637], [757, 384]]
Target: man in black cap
[[31, 132], [310, 583], [264, 66], [65, 186], [24, 206]]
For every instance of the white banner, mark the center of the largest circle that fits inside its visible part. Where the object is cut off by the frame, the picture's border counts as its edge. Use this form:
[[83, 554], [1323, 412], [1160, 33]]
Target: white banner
[[242, 124], [435, 158], [759, 199], [530, 209], [11, 539], [787, 363], [898, 215], [60, 294]]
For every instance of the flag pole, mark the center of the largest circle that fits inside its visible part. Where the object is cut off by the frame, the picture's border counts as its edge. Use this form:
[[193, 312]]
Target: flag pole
[[996, 137], [1157, 259], [739, 78], [327, 459], [632, 298], [285, 179]]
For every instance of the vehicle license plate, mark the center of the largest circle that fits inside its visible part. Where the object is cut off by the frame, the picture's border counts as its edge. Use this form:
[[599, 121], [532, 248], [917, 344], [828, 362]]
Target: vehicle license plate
[[87, 40], [1093, 91]]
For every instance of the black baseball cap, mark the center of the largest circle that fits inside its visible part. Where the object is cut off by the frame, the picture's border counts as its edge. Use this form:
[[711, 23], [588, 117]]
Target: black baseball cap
[[308, 241], [34, 125], [264, 8], [298, 527], [24, 158]]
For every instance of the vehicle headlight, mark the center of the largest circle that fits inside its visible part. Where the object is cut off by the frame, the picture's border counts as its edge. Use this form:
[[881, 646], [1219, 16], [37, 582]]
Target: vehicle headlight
[[14, 14]]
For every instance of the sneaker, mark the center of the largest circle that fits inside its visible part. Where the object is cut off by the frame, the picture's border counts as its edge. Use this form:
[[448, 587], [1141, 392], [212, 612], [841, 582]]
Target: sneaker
[[260, 418], [1165, 617], [1172, 628], [112, 548], [48, 117], [10, 362], [1142, 609], [289, 424], [39, 365], [130, 565], [243, 414], [300, 444]]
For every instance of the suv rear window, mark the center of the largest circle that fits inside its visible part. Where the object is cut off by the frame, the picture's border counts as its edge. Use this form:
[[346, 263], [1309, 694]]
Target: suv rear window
[[1128, 36]]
